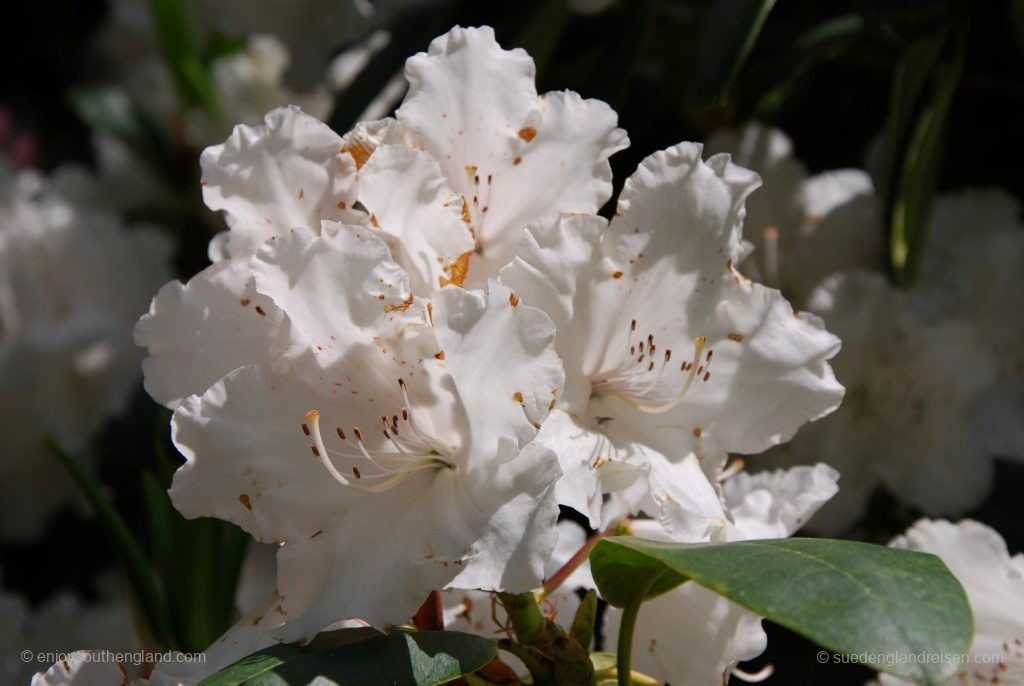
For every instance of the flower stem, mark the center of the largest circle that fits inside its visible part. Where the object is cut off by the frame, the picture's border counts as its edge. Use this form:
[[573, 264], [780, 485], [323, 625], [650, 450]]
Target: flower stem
[[559, 577], [527, 620], [627, 625]]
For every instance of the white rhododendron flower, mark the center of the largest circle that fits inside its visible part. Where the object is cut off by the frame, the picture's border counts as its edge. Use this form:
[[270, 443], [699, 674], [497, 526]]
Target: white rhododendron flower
[[72, 281], [672, 357], [484, 155], [994, 582], [802, 228], [905, 421], [970, 269], [691, 636], [387, 425]]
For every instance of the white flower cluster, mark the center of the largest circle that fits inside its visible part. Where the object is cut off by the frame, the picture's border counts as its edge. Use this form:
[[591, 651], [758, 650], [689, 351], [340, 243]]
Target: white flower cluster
[[418, 339], [934, 373], [67, 362]]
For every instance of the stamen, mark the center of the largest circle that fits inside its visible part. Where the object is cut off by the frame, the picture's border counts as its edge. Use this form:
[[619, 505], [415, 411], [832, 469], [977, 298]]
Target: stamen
[[390, 468], [732, 469], [635, 385], [754, 677]]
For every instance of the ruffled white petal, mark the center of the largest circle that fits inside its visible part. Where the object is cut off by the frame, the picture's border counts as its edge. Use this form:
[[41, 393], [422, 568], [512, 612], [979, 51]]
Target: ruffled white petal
[[288, 174], [198, 332], [776, 504], [513, 155], [501, 356]]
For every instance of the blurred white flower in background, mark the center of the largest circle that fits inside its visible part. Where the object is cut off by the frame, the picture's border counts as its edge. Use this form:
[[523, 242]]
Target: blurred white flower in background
[[971, 269], [249, 83], [905, 420], [934, 371], [64, 622], [73, 279], [802, 228]]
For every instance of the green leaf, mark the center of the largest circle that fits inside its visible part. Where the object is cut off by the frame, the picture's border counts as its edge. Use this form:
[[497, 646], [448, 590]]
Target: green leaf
[[355, 657], [849, 597], [183, 55], [199, 562], [728, 34], [914, 190], [768, 85], [126, 547]]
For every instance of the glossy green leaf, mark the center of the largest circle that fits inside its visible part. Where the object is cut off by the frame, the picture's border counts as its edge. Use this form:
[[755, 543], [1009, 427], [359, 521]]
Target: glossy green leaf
[[914, 189], [357, 657], [727, 36], [849, 597]]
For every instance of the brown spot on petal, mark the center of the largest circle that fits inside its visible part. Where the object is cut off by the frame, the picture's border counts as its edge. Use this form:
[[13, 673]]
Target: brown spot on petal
[[302, 193], [617, 275], [527, 133], [733, 336], [244, 302], [246, 502], [317, 533], [260, 311], [518, 397], [439, 355], [457, 270], [513, 299], [517, 161], [341, 205], [401, 308], [466, 216], [697, 432], [373, 221]]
